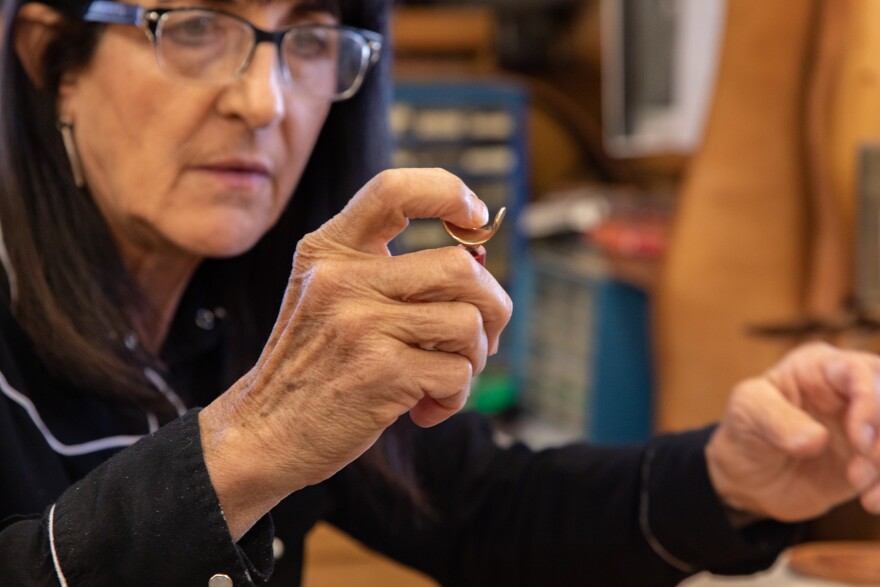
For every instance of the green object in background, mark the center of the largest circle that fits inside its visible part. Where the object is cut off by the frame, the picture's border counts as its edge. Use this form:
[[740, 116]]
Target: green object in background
[[492, 393]]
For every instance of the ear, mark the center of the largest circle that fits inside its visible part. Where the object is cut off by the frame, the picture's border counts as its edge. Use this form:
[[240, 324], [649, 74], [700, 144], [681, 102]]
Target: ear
[[33, 30]]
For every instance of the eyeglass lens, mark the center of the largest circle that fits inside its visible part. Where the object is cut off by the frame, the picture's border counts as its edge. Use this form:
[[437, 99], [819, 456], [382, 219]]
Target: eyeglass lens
[[205, 45]]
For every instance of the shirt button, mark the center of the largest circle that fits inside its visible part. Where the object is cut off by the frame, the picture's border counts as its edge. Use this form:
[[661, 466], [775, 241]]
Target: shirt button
[[205, 319], [220, 580], [277, 548]]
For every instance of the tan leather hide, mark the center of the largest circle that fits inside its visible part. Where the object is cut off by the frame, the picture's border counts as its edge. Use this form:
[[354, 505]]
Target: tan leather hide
[[765, 228]]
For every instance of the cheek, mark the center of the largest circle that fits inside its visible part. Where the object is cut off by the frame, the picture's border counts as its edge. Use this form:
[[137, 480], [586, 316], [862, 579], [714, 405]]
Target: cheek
[[301, 131], [128, 122]]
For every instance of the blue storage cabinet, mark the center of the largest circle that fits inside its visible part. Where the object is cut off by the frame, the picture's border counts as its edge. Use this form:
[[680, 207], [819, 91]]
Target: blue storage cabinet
[[585, 356]]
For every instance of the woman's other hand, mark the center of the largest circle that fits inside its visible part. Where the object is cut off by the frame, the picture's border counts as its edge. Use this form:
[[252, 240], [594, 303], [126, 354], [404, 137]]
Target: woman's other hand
[[362, 338], [802, 438]]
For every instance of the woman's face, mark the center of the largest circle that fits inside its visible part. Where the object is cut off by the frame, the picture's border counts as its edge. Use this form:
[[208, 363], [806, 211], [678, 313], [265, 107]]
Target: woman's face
[[193, 168]]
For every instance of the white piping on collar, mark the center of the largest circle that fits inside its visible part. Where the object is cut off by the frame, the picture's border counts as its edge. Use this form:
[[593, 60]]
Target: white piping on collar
[[152, 422], [165, 390], [68, 450], [109, 442]]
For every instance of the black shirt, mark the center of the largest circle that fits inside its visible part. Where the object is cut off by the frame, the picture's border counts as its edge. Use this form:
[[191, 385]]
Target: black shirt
[[93, 494]]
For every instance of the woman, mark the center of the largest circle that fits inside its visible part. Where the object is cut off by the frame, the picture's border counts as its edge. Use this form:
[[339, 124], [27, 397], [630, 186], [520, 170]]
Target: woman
[[148, 156]]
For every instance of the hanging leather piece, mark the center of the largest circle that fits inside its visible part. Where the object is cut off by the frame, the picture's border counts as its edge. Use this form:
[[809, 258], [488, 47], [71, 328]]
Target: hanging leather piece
[[854, 121], [844, 115], [762, 253], [831, 233], [739, 248]]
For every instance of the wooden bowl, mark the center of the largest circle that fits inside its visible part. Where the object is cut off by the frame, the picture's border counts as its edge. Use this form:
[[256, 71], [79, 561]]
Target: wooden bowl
[[857, 563]]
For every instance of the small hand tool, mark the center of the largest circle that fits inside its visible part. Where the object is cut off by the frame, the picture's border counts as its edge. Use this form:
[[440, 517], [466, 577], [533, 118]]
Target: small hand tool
[[473, 239]]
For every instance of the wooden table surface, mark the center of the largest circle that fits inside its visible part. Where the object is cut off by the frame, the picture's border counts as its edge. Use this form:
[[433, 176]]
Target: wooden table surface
[[333, 559], [780, 575]]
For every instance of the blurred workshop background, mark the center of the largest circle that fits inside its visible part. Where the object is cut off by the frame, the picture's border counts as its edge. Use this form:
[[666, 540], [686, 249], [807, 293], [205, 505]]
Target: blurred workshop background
[[693, 188]]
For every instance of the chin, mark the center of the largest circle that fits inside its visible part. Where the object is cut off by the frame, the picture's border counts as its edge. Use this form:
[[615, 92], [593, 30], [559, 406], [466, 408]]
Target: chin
[[222, 236], [222, 244], [228, 249]]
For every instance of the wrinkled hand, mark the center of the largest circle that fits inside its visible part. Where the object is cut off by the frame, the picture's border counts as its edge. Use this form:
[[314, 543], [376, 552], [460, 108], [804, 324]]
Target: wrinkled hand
[[361, 339], [802, 438]]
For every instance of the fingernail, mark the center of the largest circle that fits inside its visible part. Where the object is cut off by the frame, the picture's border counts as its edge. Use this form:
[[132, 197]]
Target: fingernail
[[805, 435], [864, 474], [799, 441], [872, 504], [837, 371], [478, 209], [867, 437]]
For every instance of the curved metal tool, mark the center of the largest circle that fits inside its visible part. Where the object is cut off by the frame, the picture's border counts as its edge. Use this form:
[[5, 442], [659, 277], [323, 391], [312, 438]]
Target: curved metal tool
[[474, 238]]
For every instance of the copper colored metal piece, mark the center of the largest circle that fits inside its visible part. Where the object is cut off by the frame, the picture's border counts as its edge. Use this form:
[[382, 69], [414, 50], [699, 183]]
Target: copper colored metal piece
[[473, 238]]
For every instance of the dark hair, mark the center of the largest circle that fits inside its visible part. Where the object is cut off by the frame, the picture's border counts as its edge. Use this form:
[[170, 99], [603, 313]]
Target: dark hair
[[74, 298]]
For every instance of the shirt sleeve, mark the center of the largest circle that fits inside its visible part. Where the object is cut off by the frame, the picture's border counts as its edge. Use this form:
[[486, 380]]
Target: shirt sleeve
[[636, 516], [148, 516], [683, 519]]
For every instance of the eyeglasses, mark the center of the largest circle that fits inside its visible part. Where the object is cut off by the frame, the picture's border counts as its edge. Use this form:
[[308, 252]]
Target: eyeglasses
[[201, 44]]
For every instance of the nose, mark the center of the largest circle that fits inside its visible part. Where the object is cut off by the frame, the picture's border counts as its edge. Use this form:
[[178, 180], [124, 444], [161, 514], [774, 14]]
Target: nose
[[257, 96]]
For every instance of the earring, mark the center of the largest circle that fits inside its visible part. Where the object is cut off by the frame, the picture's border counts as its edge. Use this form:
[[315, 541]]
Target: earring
[[66, 130]]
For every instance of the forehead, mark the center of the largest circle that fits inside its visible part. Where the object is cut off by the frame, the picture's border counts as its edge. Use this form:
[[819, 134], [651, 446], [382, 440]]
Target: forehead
[[304, 5], [296, 6]]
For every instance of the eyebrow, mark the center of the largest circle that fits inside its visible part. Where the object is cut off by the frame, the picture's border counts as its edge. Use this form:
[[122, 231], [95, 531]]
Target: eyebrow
[[317, 6], [298, 6]]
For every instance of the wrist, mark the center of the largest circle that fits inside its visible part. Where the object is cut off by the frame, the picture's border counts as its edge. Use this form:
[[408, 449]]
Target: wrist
[[740, 519], [244, 489], [740, 508]]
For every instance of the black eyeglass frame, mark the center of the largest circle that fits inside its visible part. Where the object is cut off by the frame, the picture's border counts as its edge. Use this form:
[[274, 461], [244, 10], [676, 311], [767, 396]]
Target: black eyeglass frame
[[148, 19]]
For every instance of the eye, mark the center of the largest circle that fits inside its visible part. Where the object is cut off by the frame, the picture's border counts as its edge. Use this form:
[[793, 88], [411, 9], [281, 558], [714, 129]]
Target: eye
[[310, 42], [194, 29]]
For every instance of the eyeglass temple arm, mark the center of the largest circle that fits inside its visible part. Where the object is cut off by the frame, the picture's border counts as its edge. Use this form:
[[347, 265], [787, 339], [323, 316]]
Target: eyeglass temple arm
[[109, 12], [374, 42]]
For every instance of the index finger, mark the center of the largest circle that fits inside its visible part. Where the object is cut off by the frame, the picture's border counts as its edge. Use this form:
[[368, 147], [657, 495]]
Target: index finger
[[382, 208], [857, 376]]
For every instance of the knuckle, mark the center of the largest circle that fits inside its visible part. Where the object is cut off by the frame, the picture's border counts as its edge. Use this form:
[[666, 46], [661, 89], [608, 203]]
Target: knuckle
[[816, 346], [307, 247], [454, 182], [506, 307], [324, 276], [385, 182], [457, 402], [316, 246], [465, 373], [454, 379], [748, 391], [411, 389], [460, 266], [471, 322]]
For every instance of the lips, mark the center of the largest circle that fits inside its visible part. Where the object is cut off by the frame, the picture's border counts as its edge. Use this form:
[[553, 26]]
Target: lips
[[238, 174], [241, 166]]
